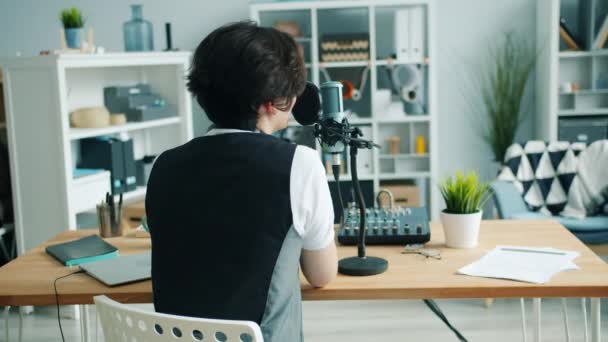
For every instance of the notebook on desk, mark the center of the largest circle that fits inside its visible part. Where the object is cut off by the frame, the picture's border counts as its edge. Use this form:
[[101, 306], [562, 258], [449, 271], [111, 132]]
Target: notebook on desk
[[87, 249], [121, 270]]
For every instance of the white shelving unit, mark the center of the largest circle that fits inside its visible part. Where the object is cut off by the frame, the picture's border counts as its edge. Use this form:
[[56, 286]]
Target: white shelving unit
[[315, 18], [41, 91], [556, 65]]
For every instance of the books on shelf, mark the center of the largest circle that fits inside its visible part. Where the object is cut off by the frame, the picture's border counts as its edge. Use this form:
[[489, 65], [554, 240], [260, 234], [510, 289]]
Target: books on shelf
[[566, 35], [602, 35]]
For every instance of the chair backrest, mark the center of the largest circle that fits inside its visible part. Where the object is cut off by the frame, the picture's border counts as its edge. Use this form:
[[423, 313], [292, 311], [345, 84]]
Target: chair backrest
[[508, 200], [122, 323]]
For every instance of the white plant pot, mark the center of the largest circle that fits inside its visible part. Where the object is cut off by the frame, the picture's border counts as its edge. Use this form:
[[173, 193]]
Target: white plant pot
[[461, 230]]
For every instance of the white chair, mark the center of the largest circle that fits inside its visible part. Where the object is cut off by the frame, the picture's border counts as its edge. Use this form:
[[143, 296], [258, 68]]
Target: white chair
[[122, 323]]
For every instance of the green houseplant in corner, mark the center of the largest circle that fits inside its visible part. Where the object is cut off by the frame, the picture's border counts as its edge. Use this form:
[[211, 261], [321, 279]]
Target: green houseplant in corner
[[72, 22], [464, 196], [502, 85]]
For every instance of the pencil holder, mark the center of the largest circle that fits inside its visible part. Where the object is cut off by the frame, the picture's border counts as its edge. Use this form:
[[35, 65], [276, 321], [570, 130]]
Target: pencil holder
[[107, 227]]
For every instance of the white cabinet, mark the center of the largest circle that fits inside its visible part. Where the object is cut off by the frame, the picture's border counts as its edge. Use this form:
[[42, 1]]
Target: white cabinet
[[41, 91]]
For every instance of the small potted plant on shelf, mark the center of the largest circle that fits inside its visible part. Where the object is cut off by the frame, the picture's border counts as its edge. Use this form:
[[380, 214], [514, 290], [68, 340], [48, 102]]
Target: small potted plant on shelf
[[72, 21], [464, 197]]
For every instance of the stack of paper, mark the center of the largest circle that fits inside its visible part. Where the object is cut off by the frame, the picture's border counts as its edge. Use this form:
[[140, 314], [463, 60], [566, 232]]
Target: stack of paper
[[533, 265]]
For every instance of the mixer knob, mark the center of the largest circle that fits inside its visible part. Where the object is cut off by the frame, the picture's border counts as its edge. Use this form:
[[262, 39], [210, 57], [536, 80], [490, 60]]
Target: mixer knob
[[408, 211], [395, 229], [419, 229]]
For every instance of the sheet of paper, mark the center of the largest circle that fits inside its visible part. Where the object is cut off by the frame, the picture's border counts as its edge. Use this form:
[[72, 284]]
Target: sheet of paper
[[533, 265]]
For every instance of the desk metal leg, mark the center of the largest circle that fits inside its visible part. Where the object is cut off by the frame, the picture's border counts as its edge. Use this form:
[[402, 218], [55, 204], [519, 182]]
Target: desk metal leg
[[7, 311], [537, 315], [523, 319], [585, 325], [84, 323], [565, 314], [20, 325], [595, 320]]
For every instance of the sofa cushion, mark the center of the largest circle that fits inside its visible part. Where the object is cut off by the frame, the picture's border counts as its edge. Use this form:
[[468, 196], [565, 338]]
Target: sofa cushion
[[593, 238], [530, 215], [587, 225], [590, 230]]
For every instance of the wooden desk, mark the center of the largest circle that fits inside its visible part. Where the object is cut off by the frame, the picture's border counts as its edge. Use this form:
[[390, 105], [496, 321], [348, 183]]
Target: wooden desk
[[28, 280]]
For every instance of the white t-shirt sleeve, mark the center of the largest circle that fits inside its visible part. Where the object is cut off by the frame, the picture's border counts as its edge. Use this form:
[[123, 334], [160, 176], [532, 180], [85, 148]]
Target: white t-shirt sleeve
[[311, 204]]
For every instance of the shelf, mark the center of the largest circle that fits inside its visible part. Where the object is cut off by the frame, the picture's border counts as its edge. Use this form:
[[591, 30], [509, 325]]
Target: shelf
[[81, 133], [348, 178], [403, 156], [100, 60], [303, 39], [343, 64], [360, 121], [586, 92], [405, 118], [356, 121], [575, 54], [583, 112], [405, 175], [394, 61]]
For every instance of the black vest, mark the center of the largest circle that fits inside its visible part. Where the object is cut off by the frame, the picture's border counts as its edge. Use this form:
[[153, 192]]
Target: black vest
[[218, 209]]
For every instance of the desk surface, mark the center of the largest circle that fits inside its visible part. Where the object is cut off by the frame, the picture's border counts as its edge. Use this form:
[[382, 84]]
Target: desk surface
[[28, 280]]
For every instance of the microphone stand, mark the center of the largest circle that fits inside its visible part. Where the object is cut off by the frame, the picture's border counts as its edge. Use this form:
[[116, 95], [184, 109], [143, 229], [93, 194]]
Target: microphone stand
[[360, 265]]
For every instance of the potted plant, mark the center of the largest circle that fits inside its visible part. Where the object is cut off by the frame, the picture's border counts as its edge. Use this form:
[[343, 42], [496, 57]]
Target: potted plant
[[464, 197], [72, 21], [499, 96]]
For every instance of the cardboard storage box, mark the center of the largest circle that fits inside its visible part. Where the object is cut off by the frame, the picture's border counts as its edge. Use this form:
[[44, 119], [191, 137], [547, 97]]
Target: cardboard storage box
[[133, 213], [405, 195]]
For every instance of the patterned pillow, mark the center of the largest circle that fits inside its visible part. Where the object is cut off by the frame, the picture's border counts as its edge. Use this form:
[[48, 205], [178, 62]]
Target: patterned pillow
[[542, 172]]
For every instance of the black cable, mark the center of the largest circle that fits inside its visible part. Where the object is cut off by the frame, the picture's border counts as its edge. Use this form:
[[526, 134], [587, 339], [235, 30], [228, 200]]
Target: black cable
[[336, 170], [437, 311], [57, 300]]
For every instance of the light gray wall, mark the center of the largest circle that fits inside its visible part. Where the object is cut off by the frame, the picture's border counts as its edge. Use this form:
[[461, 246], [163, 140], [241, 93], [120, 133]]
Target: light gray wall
[[464, 28]]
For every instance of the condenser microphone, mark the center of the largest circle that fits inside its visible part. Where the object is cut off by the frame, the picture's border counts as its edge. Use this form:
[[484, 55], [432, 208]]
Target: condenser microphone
[[307, 107], [333, 116]]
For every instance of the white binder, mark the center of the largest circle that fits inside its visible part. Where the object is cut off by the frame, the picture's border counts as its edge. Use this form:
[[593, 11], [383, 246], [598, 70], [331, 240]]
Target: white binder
[[409, 34], [417, 33], [402, 34]]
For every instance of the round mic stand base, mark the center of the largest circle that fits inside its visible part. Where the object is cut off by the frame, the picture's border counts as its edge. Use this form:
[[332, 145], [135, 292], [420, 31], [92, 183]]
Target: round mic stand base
[[365, 266]]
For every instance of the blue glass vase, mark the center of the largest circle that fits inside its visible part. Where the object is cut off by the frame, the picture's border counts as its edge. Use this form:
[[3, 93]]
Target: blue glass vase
[[138, 32], [72, 38]]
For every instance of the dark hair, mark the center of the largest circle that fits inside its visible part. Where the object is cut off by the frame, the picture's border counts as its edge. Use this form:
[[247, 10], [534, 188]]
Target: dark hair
[[240, 66]]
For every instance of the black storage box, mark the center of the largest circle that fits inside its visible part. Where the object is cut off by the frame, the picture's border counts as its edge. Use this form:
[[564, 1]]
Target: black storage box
[[583, 129]]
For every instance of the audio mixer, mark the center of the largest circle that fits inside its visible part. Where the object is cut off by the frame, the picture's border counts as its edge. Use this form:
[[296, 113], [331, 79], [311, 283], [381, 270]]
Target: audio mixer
[[383, 226]]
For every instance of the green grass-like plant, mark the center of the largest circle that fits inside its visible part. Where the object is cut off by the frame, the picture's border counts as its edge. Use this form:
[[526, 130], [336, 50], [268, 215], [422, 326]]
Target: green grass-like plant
[[501, 83], [71, 18], [464, 194]]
